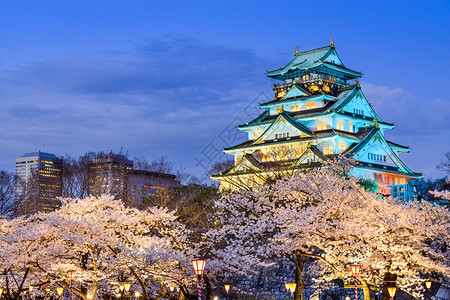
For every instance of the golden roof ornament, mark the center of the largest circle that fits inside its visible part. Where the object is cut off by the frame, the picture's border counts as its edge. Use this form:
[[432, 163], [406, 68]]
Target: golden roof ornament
[[331, 42], [375, 123], [296, 50], [357, 82]]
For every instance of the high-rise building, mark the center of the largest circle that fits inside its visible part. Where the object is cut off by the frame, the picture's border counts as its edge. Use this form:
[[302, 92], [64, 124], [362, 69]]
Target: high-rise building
[[318, 112], [107, 173], [141, 185], [38, 182]]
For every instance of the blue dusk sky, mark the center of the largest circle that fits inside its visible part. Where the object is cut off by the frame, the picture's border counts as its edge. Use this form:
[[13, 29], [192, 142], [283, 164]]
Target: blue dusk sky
[[174, 78]]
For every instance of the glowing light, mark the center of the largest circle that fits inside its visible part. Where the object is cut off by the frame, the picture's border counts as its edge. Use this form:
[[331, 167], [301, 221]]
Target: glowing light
[[391, 291], [71, 274], [355, 270], [199, 266], [171, 288], [59, 290], [30, 288], [227, 287], [127, 287], [428, 284]]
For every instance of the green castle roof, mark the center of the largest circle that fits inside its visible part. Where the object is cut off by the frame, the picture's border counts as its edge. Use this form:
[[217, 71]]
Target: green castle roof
[[312, 59]]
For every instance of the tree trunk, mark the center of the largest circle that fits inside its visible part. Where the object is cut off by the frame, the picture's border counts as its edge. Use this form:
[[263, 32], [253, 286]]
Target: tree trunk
[[208, 287], [366, 289], [299, 261]]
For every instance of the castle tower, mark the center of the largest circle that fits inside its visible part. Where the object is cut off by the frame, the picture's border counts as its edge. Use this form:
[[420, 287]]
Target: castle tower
[[318, 112]]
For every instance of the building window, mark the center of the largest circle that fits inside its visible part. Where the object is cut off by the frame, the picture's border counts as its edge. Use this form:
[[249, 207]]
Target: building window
[[350, 128], [265, 157], [340, 126], [310, 105], [328, 150], [295, 108], [256, 134], [322, 126], [358, 111], [341, 145]]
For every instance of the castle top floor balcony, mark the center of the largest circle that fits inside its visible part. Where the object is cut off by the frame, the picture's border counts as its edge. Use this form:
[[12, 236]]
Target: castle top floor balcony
[[311, 78]]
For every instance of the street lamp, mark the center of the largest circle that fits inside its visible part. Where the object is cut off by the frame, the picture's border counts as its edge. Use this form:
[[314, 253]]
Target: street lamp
[[127, 287], [391, 291], [172, 288], [59, 290], [292, 287], [1, 292], [355, 272], [428, 284], [227, 287], [199, 268], [30, 288], [71, 274]]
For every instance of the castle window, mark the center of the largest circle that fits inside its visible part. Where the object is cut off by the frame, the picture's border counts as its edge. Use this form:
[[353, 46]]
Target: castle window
[[358, 111], [350, 128], [310, 105], [328, 150], [295, 108], [265, 157], [322, 126], [340, 126], [341, 145]]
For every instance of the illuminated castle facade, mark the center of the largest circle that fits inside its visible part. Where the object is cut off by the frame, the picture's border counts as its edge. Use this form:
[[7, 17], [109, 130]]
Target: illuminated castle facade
[[318, 112]]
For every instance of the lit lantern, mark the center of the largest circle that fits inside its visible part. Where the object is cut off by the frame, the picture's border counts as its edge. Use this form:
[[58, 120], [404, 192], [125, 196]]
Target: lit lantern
[[71, 274], [89, 296], [391, 291], [292, 287], [286, 285], [59, 290], [137, 294], [199, 266], [1, 291], [127, 287], [121, 287], [355, 270], [428, 284], [227, 287], [30, 288], [172, 288]]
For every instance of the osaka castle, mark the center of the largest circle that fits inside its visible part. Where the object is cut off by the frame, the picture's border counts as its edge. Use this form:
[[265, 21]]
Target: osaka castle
[[318, 112]]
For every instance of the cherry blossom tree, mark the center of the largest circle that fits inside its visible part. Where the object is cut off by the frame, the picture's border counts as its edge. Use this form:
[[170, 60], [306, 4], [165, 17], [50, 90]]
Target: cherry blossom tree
[[101, 240], [327, 215]]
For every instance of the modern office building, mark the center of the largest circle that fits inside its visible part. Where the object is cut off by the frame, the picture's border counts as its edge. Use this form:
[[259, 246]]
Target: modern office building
[[38, 182], [107, 173], [142, 185], [318, 112]]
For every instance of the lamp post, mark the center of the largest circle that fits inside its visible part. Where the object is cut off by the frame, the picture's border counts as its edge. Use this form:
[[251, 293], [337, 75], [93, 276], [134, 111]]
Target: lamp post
[[71, 274], [391, 291], [355, 272], [428, 284], [227, 287], [199, 268]]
